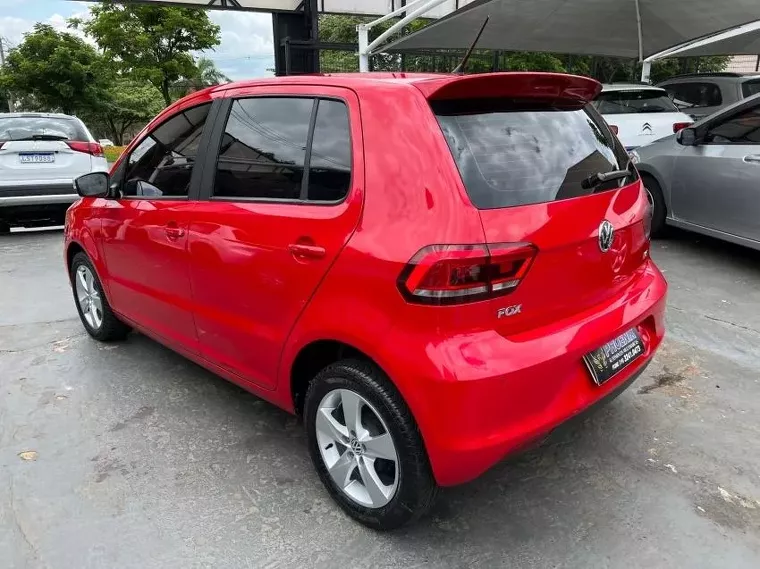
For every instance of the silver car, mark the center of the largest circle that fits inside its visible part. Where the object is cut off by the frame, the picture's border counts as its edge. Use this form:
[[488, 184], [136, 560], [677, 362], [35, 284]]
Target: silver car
[[706, 178]]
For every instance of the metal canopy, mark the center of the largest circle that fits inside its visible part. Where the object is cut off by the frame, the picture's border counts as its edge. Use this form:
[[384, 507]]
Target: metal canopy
[[622, 28]]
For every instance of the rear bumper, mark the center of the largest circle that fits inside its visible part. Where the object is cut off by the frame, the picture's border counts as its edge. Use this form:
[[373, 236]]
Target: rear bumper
[[38, 194], [494, 395]]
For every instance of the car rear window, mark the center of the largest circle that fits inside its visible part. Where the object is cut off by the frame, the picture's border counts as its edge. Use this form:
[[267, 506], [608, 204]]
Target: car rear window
[[639, 101], [692, 95], [750, 88], [512, 153], [31, 128]]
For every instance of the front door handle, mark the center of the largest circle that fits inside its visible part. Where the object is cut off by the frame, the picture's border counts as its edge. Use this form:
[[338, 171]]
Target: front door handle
[[299, 250], [752, 159], [173, 231]]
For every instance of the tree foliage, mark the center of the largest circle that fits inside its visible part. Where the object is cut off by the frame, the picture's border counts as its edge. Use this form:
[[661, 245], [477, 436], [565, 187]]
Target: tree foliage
[[151, 42], [205, 74], [58, 70], [128, 105]]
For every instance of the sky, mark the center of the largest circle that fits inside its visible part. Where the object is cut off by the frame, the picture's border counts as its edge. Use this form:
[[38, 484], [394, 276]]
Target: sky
[[246, 49]]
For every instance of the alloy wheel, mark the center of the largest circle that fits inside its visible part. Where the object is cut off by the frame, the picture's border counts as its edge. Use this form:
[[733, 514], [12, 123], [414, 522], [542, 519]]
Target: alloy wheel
[[89, 297], [357, 448]]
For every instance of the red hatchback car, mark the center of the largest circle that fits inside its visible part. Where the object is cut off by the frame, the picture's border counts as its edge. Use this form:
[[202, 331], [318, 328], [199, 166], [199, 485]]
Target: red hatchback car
[[434, 271]]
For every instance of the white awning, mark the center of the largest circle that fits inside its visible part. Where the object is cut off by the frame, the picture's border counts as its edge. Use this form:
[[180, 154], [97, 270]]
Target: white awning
[[744, 40], [623, 28]]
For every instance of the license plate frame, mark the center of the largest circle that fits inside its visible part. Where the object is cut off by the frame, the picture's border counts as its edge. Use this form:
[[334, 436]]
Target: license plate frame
[[611, 358], [37, 158]]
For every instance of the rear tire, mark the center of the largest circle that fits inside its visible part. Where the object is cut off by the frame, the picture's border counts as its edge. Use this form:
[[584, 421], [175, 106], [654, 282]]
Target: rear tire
[[400, 487], [91, 302], [656, 198]]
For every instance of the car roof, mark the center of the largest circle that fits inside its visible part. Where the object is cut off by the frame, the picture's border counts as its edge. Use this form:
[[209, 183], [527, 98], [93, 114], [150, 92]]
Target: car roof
[[725, 75], [608, 87], [36, 116]]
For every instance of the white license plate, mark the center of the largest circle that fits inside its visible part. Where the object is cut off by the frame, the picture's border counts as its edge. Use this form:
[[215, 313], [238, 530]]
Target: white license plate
[[46, 158]]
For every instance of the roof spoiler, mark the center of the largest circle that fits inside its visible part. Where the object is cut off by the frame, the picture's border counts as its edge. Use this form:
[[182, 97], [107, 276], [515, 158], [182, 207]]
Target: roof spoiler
[[511, 85]]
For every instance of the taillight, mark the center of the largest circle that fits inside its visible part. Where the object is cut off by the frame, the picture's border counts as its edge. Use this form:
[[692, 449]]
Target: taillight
[[614, 129], [87, 147], [680, 126], [454, 274]]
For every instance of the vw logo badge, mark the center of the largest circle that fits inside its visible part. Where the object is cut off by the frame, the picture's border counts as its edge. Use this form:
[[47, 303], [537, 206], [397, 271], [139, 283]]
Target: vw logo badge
[[606, 234]]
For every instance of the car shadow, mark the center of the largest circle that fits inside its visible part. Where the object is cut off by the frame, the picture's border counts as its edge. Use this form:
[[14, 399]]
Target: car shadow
[[543, 487]]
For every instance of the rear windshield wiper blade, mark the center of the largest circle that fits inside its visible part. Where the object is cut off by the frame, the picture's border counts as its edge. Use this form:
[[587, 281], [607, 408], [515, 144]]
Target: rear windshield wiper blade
[[601, 177], [44, 137]]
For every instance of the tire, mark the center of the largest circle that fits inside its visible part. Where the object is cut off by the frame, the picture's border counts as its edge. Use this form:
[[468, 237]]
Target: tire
[[408, 486], [5, 228], [106, 328], [659, 210]]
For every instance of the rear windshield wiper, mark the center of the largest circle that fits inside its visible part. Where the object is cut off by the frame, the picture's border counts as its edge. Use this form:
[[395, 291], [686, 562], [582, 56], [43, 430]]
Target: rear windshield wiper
[[601, 177], [44, 137]]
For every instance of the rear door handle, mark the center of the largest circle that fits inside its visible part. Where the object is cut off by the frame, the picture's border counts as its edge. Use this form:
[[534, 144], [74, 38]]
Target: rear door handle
[[306, 251], [173, 231], [752, 159]]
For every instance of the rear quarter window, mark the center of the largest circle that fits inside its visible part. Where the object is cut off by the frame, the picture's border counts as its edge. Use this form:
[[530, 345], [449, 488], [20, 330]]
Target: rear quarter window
[[512, 153], [751, 88]]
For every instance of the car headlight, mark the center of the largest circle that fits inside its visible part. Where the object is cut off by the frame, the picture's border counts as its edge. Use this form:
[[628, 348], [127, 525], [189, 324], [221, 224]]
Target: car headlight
[[635, 158]]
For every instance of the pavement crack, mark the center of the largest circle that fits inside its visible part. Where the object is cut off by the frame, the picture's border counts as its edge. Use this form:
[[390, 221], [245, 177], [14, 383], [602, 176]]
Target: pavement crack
[[716, 319], [18, 523]]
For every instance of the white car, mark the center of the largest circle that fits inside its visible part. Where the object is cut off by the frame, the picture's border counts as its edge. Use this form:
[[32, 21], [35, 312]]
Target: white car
[[106, 142], [40, 156], [639, 114]]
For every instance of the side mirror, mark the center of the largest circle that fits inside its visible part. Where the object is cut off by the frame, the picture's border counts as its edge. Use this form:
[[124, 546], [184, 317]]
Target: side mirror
[[687, 137], [92, 185]]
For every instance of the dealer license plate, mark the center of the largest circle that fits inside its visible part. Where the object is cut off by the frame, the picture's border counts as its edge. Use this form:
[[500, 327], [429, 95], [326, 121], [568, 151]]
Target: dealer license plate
[[605, 362], [45, 158]]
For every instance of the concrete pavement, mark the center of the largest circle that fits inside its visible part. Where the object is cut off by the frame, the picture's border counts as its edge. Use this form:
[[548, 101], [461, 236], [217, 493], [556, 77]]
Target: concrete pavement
[[127, 455]]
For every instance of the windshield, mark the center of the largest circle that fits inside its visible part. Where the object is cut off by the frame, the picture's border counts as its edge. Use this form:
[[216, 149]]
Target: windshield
[[627, 102], [41, 128], [512, 152]]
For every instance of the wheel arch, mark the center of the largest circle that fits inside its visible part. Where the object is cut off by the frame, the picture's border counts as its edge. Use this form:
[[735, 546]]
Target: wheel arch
[[314, 357]]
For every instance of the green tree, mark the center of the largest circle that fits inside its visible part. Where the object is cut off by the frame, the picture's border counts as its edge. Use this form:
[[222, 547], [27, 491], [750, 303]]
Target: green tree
[[204, 75], [57, 70], [666, 68], [151, 42], [128, 104]]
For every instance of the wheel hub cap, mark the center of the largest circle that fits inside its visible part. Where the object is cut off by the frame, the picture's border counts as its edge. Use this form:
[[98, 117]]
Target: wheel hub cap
[[356, 447]]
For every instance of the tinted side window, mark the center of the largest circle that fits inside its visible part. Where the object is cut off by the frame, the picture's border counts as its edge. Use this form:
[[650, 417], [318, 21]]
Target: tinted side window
[[330, 164], [695, 95], [161, 165], [750, 88], [263, 149], [743, 128]]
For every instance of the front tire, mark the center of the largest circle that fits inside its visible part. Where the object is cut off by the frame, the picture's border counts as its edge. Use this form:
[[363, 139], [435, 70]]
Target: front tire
[[366, 447], [657, 200], [92, 305]]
